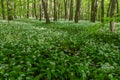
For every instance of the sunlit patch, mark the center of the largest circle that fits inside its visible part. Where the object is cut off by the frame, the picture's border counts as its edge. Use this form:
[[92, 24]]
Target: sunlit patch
[[39, 28]]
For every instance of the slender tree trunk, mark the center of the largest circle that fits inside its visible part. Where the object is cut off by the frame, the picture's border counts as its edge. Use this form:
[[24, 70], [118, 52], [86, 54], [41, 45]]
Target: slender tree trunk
[[78, 5], [51, 8], [65, 8], [117, 8], [88, 9], [3, 8], [20, 9], [55, 11], [112, 12], [45, 11], [102, 10], [40, 10], [28, 9], [34, 9], [24, 9], [108, 10], [59, 10], [9, 10], [93, 10], [71, 10], [15, 16]]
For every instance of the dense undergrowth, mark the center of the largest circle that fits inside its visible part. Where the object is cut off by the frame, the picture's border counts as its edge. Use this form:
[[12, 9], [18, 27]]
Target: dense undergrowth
[[33, 50]]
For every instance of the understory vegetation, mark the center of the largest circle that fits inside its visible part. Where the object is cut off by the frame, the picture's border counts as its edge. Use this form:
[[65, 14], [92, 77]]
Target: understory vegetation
[[33, 50]]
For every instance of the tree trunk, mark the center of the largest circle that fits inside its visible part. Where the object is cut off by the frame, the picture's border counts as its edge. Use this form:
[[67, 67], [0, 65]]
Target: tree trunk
[[2, 6], [59, 10], [28, 8], [45, 11], [40, 10], [71, 10], [9, 10], [65, 8], [112, 12], [15, 16], [93, 10], [34, 9], [20, 8], [78, 5], [117, 8], [102, 10], [108, 10], [51, 8], [55, 11]]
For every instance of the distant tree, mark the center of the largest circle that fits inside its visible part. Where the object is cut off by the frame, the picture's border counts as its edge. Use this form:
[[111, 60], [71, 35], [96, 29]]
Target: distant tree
[[93, 10], [55, 10], [112, 12], [65, 8], [117, 8], [34, 9], [28, 9], [71, 10], [44, 2], [3, 9], [78, 5], [59, 10], [40, 10], [9, 10], [108, 10], [102, 10], [20, 8], [15, 10]]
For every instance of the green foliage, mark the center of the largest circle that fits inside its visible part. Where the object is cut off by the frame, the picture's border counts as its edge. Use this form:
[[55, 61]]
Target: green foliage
[[33, 50]]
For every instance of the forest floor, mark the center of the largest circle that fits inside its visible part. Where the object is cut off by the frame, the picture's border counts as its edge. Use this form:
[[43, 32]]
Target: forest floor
[[33, 50]]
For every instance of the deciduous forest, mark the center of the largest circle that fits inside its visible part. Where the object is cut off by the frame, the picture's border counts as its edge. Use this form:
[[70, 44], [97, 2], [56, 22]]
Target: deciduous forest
[[59, 39]]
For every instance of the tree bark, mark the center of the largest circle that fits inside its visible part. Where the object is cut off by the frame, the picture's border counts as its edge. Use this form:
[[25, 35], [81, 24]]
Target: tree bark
[[3, 9], [15, 16], [45, 11], [34, 9], [112, 12], [9, 10], [20, 8], [55, 11], [108, 10], [28, 8], [40, 10], [93, 10], [65, 8], [102, 10], [71, 10], [117, 8], [78, 5]]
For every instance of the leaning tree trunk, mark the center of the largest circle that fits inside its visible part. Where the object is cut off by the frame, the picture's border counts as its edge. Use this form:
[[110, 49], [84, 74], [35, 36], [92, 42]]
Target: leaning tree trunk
[[78, 3], [108, 10], [9, 10], [112, 12], [3, 9], [45, 11]]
